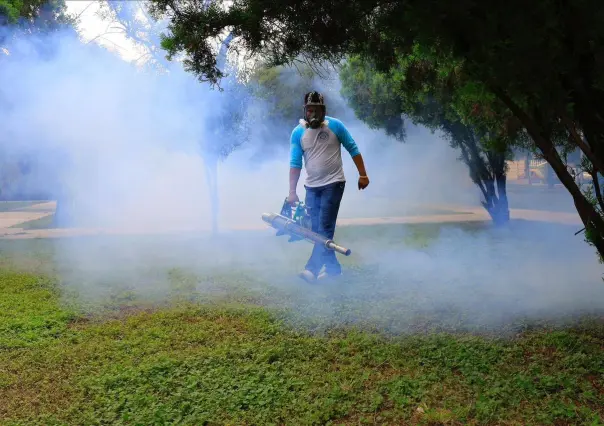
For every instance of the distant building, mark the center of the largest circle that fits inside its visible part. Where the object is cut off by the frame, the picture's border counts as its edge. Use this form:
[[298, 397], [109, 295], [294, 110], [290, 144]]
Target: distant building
[[525, 168]]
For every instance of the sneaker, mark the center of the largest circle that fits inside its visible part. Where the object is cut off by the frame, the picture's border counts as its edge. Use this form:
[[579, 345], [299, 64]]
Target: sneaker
[[307, 276]]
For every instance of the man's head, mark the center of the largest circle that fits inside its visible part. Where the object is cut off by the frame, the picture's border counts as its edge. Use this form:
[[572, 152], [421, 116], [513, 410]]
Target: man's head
[[314, 109]]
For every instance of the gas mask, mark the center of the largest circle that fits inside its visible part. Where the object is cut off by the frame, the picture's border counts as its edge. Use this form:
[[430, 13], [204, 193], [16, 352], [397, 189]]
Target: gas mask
[[316, 117], [315, 100]]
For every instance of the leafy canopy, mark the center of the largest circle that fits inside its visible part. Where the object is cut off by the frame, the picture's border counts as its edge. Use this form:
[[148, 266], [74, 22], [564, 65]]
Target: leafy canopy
[[385, 100], [26, 11]]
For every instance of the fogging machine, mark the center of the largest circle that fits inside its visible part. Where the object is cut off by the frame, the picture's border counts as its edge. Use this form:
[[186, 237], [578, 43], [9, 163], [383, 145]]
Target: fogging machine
[[294, 220]]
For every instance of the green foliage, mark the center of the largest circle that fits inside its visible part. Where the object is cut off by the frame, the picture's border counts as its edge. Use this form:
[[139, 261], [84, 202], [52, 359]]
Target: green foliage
[[383, 99], [31, 18], [278, 30], [512, 45], [11, 9], [29, 311], [282, 88], [374, 96], [221, 358], [538, 63], [45, 11], [593, 193], [238, 363]]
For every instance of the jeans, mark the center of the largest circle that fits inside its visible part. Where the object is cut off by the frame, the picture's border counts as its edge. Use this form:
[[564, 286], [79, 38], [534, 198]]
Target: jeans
[[323, 204]]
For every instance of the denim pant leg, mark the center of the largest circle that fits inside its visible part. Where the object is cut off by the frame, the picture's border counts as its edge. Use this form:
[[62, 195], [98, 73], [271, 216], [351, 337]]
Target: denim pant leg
[[331, 198], [313, 204]]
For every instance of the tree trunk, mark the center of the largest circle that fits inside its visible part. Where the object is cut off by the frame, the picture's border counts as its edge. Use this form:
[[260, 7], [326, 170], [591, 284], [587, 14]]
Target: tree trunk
[[211, 162], [491, 184], [63, 217], [501, 213], [594, 224], [497, 206], [549, 176]]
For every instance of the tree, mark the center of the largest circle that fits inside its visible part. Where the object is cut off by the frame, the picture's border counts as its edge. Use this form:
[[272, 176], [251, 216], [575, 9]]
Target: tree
[[277, 93], [226, 125], [132, 20], [11, 11], [33, 16], [382, 101], [282, 89], [542, 60], [32, 19]]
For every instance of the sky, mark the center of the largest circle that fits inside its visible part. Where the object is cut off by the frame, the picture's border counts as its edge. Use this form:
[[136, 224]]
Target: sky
[[92, 26]]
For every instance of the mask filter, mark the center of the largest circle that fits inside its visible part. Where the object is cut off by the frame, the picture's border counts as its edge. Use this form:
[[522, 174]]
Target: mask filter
[[315, 120]]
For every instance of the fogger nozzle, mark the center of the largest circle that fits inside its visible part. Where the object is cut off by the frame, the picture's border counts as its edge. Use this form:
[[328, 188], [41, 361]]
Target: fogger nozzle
[[288, 226]]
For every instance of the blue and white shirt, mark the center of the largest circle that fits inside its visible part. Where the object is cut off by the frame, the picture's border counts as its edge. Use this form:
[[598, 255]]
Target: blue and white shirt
[[321, 151]]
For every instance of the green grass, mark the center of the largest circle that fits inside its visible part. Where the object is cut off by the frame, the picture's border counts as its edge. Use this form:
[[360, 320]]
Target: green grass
[[7, 206], [377, 212], [377, 206], [45, 222], [238, 364], [229, 353]]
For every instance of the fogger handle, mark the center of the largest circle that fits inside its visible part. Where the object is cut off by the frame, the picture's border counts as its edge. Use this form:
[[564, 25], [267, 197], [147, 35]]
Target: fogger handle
[[333, 246]]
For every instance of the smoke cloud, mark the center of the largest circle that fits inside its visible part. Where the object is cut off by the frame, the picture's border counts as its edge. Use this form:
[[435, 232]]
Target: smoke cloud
[[122, 148]]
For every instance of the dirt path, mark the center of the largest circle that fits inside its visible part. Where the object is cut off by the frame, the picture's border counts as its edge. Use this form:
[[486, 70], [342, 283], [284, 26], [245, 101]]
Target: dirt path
[[462, 213], [526, 214], [25, 214]]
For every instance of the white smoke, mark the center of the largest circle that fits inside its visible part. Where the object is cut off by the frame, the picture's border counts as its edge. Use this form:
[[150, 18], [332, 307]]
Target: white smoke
[[121, 146]]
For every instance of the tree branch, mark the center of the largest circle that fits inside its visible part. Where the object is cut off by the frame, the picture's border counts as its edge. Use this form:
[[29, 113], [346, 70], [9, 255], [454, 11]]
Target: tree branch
[[580, 142]]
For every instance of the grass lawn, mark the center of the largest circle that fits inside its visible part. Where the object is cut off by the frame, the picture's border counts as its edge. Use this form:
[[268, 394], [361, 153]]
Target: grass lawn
[[7, 206], [42, 223], [174, 334], [387, 207]]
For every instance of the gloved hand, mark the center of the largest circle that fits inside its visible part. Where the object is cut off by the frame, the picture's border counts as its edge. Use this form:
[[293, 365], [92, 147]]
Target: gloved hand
[[292, 198], [363, 182]]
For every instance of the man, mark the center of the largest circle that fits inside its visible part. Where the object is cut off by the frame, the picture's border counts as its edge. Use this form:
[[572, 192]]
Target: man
[[318, 139]]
